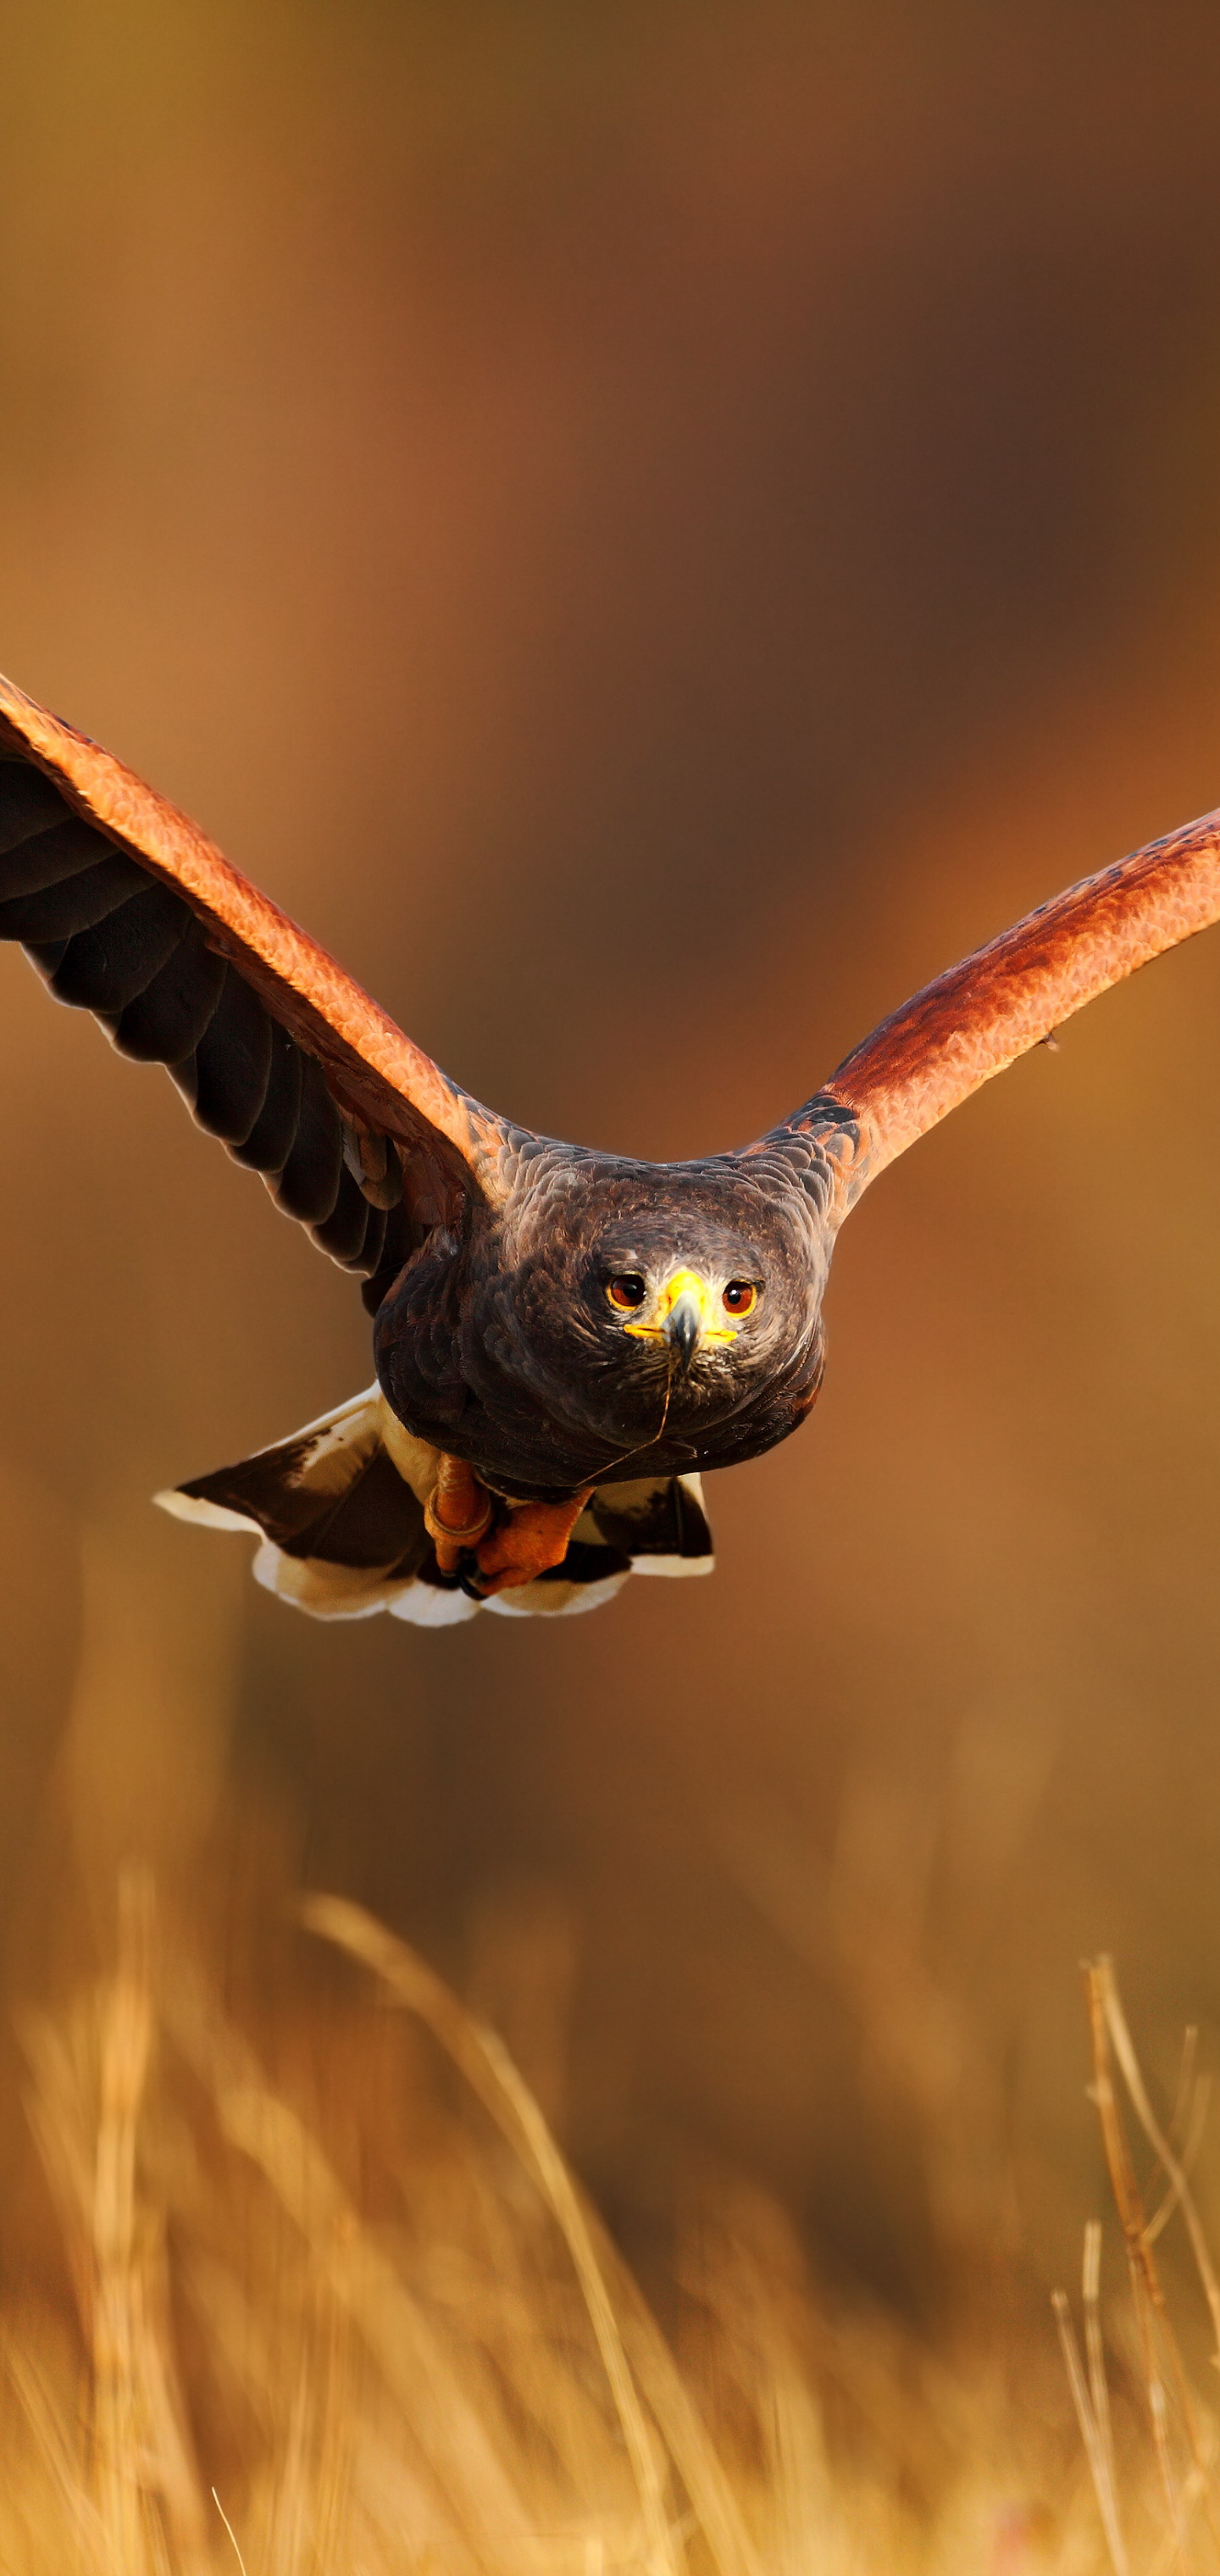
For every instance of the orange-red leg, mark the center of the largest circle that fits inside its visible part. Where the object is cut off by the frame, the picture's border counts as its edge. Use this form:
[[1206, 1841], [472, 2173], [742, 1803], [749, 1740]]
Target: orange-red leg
[[457, 1511], [533, 1538]]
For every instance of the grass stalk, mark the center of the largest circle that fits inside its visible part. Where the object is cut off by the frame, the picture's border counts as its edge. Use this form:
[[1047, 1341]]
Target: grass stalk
[[482, 2058]]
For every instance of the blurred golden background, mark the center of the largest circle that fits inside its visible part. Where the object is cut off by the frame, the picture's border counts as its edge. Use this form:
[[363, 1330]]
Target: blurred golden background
[[650, 531]]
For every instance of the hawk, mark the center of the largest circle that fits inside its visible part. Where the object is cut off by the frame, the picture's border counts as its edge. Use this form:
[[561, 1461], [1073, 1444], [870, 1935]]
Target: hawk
[[563, 1340]]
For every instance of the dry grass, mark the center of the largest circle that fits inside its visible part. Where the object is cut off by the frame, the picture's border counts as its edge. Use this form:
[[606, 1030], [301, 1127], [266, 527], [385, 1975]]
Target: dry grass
[[296, 2345]]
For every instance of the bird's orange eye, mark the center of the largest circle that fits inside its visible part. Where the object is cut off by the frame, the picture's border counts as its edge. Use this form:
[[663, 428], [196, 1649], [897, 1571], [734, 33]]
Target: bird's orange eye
[[627, 1290], [739, 1297]]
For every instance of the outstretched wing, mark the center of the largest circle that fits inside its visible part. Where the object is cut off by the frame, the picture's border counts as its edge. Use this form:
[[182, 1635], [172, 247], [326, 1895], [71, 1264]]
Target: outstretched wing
[[128, 911], [981, 1015]]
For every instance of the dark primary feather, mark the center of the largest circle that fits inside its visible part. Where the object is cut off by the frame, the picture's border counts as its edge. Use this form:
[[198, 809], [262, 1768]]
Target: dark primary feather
[[107, 937]]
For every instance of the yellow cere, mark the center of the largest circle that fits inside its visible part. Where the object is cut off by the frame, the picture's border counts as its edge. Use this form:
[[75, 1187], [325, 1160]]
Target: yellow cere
[[712, 1324]]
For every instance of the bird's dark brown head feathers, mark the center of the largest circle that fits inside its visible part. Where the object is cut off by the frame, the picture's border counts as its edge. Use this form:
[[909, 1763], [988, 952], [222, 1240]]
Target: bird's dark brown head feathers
[[614, 1316]]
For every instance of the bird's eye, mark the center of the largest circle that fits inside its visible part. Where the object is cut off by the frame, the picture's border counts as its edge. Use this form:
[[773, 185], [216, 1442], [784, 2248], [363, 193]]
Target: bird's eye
[[629, 1289], [739, 1297]]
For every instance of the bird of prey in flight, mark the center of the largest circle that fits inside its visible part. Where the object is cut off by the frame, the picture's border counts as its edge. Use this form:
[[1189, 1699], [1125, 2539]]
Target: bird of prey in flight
[[562, 1339]]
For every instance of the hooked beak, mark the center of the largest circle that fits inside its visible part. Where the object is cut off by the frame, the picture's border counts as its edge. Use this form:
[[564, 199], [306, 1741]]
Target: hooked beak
[[687, 1317], [683, 1327]]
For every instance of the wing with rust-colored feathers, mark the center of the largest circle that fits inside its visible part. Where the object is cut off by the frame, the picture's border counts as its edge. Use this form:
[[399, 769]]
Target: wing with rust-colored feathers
[[128, 911], [982, 1014]]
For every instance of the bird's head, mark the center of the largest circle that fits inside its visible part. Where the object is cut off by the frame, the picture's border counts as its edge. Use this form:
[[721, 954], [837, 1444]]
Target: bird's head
[[638, 1297]]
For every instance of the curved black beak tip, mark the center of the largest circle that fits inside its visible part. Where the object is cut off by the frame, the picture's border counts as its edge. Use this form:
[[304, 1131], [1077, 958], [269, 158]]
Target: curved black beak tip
[[682, 1329]]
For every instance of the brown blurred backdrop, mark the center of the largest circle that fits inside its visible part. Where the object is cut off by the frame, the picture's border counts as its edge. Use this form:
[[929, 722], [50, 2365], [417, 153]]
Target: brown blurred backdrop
[[650, 531]]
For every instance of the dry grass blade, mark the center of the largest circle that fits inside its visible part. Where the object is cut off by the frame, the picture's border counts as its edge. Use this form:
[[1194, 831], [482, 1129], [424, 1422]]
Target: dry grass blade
[[1090, 2294], [1098, 2387], [1180, 2116], [1147, 2295], [229, 2528], [1152, 2315], [692, 2453], [442, 2414], [87, 2112], [126, 2042], [138, 2446], [484, 2061], [1097, 2450], [1196, 2122], [58, 2452], [1173, 2164]]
